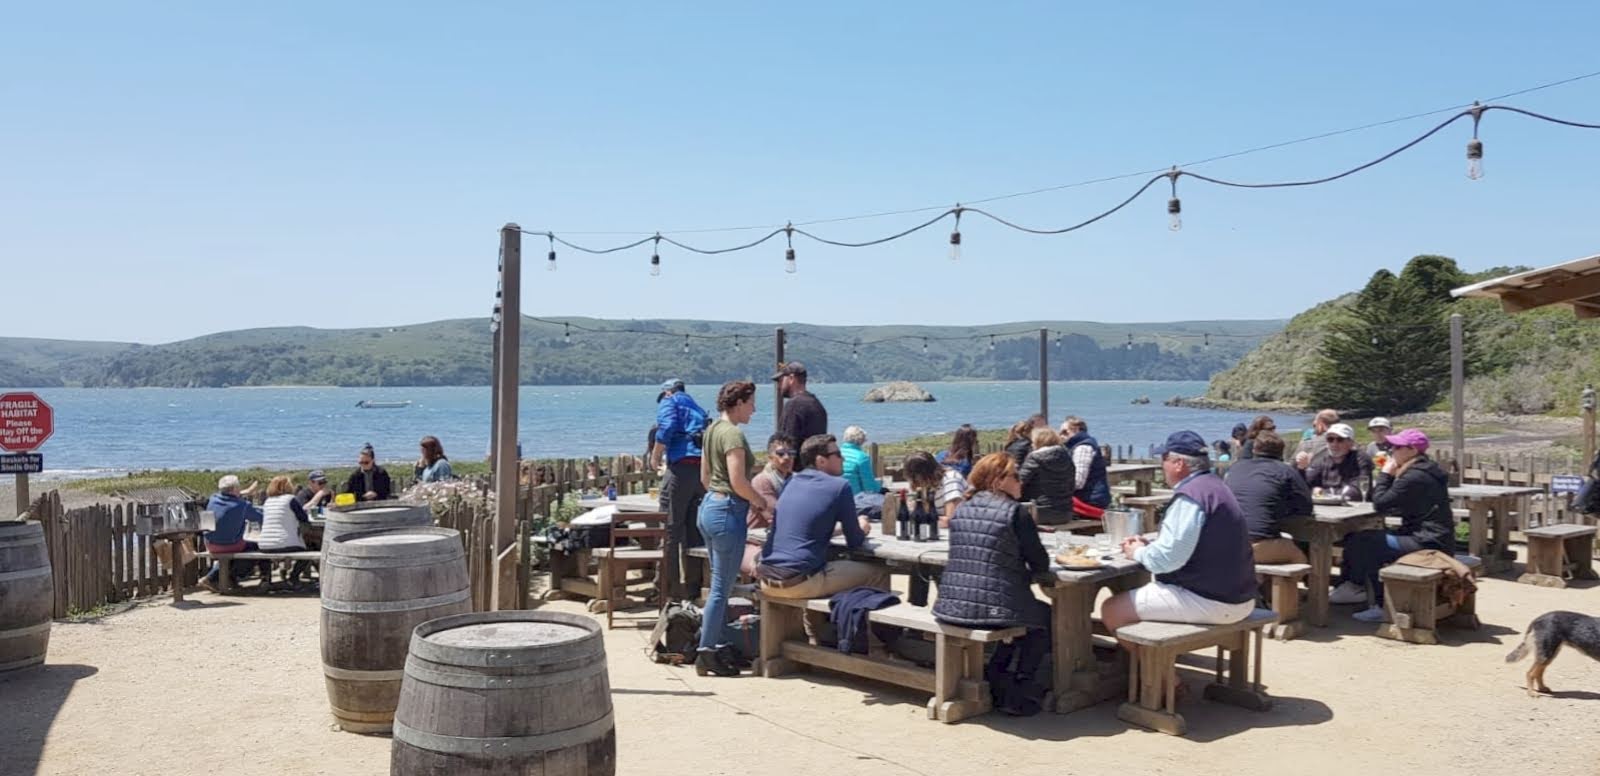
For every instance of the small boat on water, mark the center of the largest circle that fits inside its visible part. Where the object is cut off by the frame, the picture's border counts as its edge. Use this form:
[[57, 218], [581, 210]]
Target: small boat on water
[[369, 404]]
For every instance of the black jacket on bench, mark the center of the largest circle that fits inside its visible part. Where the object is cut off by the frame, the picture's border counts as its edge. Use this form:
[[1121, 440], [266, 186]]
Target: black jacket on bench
[[995, 553]]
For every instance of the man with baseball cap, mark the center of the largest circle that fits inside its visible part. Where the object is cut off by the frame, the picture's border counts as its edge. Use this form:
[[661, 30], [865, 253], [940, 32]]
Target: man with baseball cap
[[1204, 571], [1342, 470], [680, 425], [315, 493], [803, 415], [1379, 428]]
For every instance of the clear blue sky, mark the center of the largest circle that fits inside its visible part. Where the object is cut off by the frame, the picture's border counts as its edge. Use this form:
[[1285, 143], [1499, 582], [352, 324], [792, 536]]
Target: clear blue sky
[[172, 169]]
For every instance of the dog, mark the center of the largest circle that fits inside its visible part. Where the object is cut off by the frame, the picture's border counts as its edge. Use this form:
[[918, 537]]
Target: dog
[[1545, 636]]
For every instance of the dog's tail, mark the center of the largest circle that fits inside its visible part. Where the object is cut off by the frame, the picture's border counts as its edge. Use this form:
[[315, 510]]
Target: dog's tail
[[1522, 649]]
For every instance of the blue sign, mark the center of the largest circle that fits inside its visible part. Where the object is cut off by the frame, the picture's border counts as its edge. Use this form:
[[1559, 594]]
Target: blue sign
[[1565, 483], [21, 463]]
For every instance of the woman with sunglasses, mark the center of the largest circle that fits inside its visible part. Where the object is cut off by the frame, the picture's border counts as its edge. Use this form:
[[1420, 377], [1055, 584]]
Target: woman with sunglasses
[[995, 553]]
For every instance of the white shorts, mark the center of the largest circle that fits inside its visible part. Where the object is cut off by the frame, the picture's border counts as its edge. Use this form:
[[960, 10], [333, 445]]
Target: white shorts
[[1161, 602]]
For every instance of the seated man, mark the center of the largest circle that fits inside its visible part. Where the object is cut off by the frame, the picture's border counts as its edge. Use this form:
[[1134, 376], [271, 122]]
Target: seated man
[[232, 509], [1269, 491], [794, 563], [315, 493], [1340, 469], [1204, 572]]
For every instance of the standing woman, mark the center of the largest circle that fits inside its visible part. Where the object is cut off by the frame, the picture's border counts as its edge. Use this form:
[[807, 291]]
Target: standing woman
[[726, 468], [433, 466]]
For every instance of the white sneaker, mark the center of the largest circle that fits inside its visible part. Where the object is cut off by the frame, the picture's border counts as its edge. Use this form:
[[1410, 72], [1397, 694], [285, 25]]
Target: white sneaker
[[1348, 593], [1371, 614]]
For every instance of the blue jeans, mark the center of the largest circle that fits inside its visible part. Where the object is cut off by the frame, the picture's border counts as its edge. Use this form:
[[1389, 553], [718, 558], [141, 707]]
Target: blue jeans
[[722, 523], [1366, 552]]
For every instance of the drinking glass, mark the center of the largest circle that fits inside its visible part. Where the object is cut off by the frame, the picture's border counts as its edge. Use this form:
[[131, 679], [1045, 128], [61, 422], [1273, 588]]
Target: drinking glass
[[1102, 543]]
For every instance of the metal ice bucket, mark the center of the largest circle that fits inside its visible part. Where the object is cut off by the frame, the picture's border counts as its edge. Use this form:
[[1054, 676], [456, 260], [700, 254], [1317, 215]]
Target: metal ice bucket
[[1122, 523]]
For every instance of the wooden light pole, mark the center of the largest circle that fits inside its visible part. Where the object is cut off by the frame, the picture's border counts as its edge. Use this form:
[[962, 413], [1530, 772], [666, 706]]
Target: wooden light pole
[[1588, 426], [1044, 375], [1458, 401], [507, 367], [777, 385]]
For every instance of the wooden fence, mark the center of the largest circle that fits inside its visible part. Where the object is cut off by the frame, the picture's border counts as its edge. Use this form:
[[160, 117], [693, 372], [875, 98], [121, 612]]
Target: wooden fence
[[97, 558]]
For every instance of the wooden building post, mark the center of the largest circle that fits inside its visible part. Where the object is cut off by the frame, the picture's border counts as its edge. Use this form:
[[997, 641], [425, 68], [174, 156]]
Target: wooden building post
[[1044, 375], [505, 418], [1588, 426]]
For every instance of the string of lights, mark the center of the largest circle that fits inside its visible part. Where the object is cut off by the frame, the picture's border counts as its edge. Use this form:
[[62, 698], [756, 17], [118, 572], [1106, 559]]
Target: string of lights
[[1474, 154]]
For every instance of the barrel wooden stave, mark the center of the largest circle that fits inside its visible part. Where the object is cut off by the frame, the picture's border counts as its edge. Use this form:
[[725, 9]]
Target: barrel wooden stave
[[378, 586], [506, 709], [27, 593]]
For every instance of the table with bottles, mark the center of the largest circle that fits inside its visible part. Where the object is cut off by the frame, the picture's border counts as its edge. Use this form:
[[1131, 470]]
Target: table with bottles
[[1079, 678]]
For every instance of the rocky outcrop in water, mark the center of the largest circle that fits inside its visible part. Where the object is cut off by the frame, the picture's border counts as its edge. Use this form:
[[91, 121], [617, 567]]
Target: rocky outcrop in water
[[899, 390]]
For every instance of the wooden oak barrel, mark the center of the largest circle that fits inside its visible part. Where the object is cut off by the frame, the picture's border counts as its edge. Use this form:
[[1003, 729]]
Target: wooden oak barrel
[[27, 594], [377, 586], [373, 516], [505, 693]]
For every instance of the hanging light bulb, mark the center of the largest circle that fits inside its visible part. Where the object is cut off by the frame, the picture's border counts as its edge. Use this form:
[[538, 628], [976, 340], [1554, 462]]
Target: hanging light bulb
[[655, 270], [1475, 146], [686, 343], [1129, 346], [955, 237], [1058, 340], [924, 346], [991, 342], [736, 344], [1174, 207], [566, 333], [1207, 345], [551, 264], [1374, 339], [494, 319], [788, 254], [855, 351]]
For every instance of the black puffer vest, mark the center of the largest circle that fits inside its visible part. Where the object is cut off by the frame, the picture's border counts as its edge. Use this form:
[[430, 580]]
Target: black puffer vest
[[986, 581]]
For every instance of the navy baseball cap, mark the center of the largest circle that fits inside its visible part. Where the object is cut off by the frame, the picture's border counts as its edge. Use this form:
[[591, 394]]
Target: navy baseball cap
[[1183, 443], [316, 475]]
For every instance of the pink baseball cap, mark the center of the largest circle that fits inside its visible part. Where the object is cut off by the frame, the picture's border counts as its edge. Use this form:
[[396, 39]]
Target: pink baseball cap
[[1412, 438]]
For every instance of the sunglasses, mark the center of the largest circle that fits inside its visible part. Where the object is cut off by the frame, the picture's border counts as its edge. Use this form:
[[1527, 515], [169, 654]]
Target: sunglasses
[[831, 454], [1334, 439], [784, 453]]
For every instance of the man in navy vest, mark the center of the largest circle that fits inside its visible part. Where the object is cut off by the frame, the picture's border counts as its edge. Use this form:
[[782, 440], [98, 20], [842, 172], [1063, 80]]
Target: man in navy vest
[[1092, 493], [1204, 571]]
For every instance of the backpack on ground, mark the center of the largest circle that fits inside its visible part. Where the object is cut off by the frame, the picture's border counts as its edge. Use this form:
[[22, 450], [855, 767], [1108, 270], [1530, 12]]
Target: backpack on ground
[[676, 637]]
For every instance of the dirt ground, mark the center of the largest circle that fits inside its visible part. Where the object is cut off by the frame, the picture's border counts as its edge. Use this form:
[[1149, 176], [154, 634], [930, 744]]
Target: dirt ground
[[234, 685]]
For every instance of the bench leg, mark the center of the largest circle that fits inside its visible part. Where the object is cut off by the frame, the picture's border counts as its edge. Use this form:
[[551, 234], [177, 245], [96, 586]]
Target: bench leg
[[1286, 604], [1240, 690], [1411, 612], [1546, 562], [778, 624], [1580, 553], [225, 576], [1157, 680]]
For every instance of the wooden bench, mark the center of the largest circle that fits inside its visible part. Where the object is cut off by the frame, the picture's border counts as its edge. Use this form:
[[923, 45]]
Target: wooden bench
[[1557, 553], [1284, 595], [225, 568], [956, 680], [1153, 677], [1411, 600]]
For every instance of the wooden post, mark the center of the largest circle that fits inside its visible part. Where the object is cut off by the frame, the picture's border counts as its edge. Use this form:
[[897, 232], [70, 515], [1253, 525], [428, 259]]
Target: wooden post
[[505, 420], [23, 501], [1044, 374], [1458, 401], [494, 379], [777, 390], [1589, 428]]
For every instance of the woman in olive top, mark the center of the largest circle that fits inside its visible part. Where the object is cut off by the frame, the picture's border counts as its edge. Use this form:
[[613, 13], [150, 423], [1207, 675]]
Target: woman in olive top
[[726, 468]]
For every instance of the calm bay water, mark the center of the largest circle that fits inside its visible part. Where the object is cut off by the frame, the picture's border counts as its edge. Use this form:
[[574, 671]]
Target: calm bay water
[[121, 429]]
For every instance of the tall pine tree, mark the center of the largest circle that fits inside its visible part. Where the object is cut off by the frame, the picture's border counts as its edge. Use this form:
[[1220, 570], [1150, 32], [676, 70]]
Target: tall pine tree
[[1391, 352]]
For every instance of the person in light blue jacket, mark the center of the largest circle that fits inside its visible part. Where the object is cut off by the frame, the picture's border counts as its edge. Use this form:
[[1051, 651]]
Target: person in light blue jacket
[[433, 466]]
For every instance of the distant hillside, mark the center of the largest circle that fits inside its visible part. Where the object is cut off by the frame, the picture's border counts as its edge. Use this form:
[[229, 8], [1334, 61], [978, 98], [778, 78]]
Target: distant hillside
[[457, 352], [1529, 363]]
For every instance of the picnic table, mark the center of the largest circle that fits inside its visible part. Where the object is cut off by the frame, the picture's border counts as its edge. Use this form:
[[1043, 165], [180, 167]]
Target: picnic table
[[1142, 475], [633, 502], [1080, 680], [1482, 501], [569, 571], [1326, 525]]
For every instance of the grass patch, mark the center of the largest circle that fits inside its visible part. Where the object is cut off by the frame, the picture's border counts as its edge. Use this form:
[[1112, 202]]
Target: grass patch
[[204, 481]]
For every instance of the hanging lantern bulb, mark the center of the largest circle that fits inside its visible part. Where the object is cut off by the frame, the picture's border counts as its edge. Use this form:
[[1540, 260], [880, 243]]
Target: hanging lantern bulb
[[1475, 146], [855, 351], [1058, 340], [736, 344], [1374, 339], [686, 343], [1174, 207], [1129, 346], [551, 263], [655, 270], [1207, 345], [788, 254], [924, 346], [494, 319], [566, 333], [955, 237]]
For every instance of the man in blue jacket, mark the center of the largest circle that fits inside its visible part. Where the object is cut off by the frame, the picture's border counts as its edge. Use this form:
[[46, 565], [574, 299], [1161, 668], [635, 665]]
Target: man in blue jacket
[[680, 422], [232, 509]]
